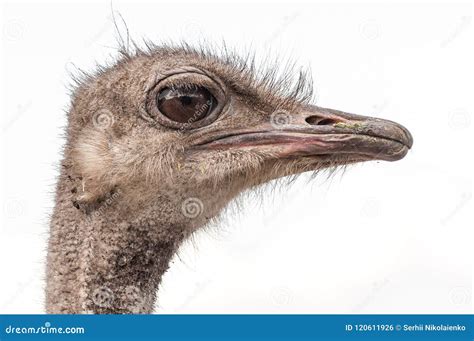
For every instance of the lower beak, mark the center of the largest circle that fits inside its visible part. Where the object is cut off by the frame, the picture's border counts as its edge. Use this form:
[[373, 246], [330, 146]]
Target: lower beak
[[321, 132]]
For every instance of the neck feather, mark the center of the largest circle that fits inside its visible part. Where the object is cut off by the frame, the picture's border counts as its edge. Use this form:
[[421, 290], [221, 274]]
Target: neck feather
[[98, 262]]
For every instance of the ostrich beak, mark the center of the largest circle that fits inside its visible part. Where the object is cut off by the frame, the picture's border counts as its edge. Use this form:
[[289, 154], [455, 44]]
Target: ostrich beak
[[321, 132]]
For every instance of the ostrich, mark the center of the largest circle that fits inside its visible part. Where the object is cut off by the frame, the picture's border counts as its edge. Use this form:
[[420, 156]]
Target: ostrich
[[159, 143]]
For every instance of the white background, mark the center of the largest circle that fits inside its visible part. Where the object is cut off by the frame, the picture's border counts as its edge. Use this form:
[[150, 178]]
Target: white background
[[382, 238]]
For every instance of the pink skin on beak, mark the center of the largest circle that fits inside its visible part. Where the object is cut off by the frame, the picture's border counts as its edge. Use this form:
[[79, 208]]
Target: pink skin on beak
[[320, 132]]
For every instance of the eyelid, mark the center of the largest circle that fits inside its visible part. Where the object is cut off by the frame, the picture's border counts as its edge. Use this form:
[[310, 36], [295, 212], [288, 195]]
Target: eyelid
[[196, 80], [188, 89]]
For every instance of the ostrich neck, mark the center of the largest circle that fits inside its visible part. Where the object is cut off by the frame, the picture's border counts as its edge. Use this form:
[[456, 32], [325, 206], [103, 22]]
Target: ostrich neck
[[100, 263]]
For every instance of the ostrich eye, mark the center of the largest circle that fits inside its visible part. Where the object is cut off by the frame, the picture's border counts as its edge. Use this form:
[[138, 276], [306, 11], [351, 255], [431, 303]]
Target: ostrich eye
[[186, 104]]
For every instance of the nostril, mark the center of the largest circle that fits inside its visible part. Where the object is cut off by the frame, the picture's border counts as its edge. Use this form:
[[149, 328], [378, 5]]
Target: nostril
[[318, 121], [327, 122]]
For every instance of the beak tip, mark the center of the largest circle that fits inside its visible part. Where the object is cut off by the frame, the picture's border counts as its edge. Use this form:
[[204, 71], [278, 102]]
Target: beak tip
[[408, 140]]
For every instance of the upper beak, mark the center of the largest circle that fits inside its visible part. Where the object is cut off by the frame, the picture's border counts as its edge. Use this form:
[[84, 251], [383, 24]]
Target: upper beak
[[316, 131]]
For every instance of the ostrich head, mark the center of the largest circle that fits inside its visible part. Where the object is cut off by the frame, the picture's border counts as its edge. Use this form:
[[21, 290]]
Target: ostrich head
[[158, 144], [184, 129]]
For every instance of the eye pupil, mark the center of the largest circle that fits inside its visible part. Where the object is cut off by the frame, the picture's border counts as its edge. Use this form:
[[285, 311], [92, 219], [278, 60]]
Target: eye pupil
[[186, 100], [185, 105]]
